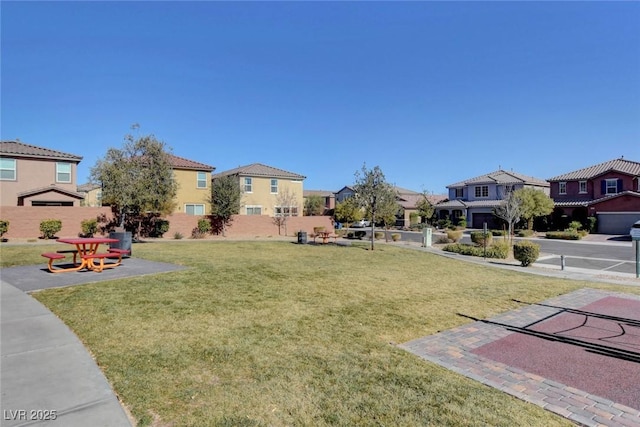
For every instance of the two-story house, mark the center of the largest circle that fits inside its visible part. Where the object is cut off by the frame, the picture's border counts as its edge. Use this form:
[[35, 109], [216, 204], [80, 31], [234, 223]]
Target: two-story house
[[344, 193], [609, 191], [37, 176], [476, 198], [194, 185], [264, 189], [407, 202]]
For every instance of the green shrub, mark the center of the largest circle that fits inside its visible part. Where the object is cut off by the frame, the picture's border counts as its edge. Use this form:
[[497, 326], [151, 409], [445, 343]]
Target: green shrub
[[161, 226], [563, 235], [499, 232], [4, 227], [49, 228], [478, 237], [462, 222], [524, 233], [396, 236], [499, 250], [89, 227], [378, 235], [444, 223], [413, 218], [526, 252], [591, 225], [460, 248], [360, 234], [454, 235], [495, 251], [204, 227], [574, 225], [177, 235]]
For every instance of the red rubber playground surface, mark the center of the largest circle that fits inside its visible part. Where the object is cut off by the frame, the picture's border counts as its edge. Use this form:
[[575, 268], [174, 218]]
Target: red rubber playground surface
[[577, 355]]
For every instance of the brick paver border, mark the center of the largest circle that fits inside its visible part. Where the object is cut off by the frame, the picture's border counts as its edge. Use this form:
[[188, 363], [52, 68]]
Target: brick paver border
[[452, 350]]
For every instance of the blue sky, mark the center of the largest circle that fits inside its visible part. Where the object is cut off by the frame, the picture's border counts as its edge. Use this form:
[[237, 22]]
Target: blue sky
[[432, 92]]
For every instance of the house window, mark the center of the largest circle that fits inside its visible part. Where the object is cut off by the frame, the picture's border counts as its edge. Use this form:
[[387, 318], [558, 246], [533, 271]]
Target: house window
[[459, 193], [482, 191], [202, 180], [611, 186], [286, 211], [193, 209], [583, 187], [8, 169], [274, 186], [562, 188], [248, 185], [63, 172], [253, 210]]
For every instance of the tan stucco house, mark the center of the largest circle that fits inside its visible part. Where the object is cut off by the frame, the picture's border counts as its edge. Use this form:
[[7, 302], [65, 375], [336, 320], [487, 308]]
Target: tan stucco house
[[194, 185], [92, 194], [263, 187], [37, 176]]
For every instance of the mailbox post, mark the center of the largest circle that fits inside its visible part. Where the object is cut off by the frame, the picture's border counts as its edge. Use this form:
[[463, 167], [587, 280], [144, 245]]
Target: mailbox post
[[426, 237], [635, 237]]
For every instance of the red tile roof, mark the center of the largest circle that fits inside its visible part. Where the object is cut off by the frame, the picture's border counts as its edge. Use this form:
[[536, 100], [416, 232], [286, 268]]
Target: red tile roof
[[182, 163], [502, 177], [19, 149], [618, 165], [258, 169]]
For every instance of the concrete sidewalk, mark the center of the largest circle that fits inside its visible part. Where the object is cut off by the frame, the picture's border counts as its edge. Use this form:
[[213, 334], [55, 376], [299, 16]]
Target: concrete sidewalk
[[47, 376]]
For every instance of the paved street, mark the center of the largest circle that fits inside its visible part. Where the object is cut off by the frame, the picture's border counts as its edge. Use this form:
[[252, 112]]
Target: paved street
[[612, 254]]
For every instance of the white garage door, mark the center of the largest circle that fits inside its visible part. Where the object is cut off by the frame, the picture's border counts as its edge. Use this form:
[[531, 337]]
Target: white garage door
[[616, 222]]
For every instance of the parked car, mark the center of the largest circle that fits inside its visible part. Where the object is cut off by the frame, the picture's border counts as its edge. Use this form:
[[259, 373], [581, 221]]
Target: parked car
[[362, 223]]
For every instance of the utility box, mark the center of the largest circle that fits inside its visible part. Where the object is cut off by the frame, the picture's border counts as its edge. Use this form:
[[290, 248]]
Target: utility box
[[427, 236]]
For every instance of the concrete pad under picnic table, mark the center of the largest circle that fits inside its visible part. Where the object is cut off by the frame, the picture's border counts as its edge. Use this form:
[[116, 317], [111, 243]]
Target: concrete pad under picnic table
[[37, 277]]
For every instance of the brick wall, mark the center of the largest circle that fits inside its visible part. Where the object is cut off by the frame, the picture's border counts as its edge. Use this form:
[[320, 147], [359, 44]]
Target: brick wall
[[24, 222], [249, 225]]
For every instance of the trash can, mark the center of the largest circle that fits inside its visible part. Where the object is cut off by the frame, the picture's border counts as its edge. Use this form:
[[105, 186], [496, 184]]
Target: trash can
[[124, 241], [302, 237]]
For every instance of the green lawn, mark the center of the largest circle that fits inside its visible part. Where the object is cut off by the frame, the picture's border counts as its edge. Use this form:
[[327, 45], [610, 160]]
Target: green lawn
[[278, 334]]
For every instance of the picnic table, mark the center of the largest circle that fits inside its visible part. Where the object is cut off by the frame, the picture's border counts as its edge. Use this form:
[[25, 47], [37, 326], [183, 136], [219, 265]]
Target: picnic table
[[86, 248], [325, 236]]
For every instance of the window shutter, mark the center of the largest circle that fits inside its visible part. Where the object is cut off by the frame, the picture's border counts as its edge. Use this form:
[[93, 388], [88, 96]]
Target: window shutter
[[619, 185], [603, 187]]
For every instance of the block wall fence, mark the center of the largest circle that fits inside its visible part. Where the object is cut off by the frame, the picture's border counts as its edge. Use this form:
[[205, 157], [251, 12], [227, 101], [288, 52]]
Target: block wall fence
[[24, 222]]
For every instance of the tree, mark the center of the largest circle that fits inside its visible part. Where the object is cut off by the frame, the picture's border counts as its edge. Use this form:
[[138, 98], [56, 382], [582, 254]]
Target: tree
[[388, 210], [226, 195], [348, 211], [286, 205], [425, 208], [510, 211], [533, 203], [137, 180], [314, 205], [372, 192]]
